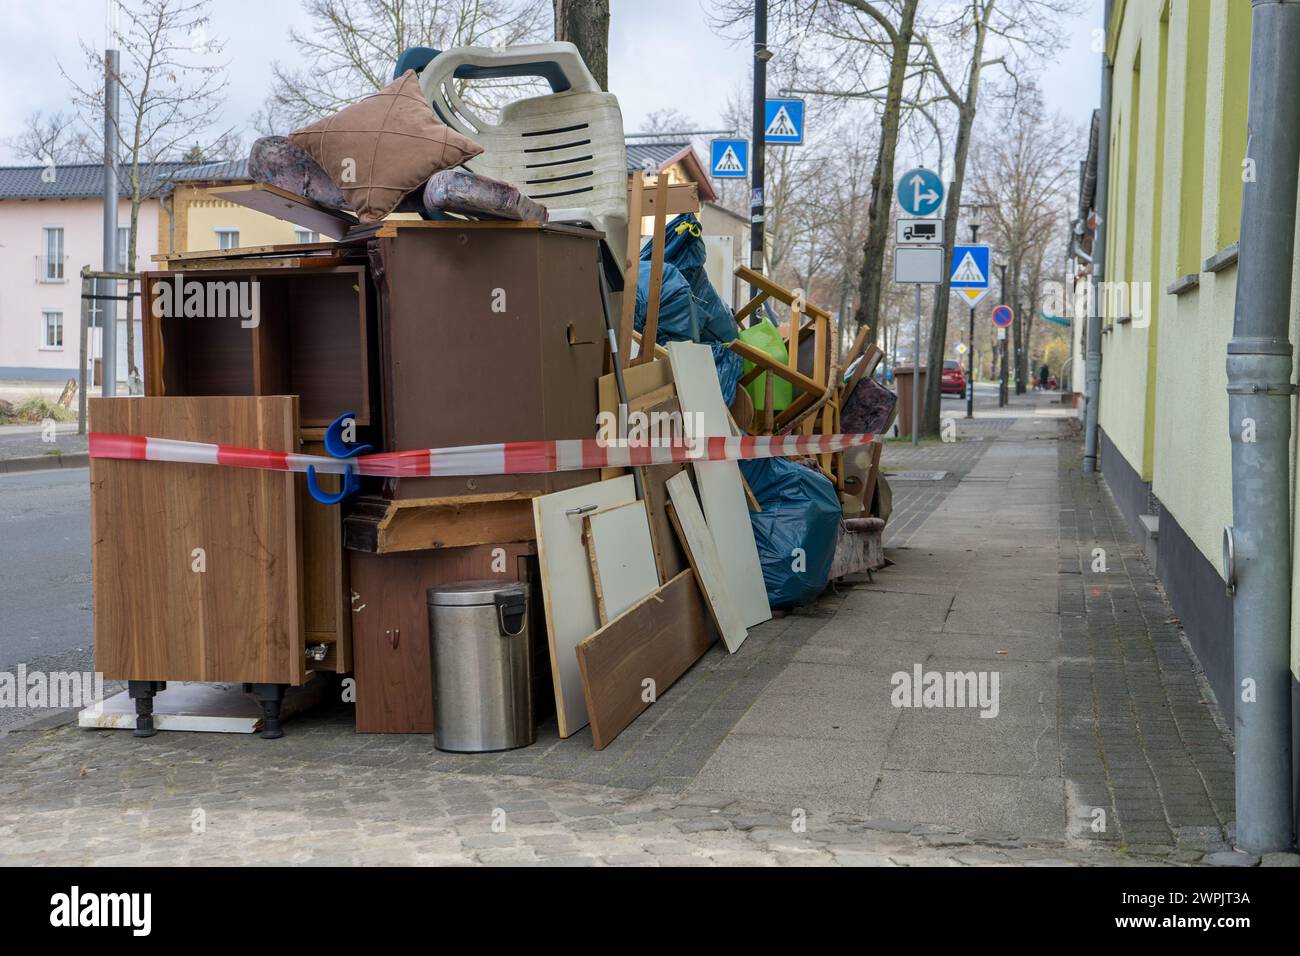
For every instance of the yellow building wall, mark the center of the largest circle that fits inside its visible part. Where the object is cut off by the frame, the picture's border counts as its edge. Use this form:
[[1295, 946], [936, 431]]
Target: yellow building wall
[[1133, 234], [196, 216], [1192, 473]]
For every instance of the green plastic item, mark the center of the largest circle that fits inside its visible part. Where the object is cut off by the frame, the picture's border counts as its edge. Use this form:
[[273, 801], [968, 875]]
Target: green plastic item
[[765, 337]]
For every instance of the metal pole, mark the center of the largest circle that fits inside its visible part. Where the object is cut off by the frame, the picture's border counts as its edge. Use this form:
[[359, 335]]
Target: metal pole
[[970, 367], [916, 374], [85, 335], [758, 127], [108, 310], [1259, 424], [1003, 396], [1092, 382]]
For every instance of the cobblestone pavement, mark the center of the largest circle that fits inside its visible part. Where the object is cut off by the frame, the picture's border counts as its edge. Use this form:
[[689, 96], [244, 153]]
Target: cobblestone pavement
[[1140, 732], [778, 755], [69, 797]]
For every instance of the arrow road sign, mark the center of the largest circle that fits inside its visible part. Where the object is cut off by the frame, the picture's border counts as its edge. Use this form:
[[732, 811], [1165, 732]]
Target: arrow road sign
[[970, 267], [920, 192], [1003, 316], [729, 158], [783, 122]]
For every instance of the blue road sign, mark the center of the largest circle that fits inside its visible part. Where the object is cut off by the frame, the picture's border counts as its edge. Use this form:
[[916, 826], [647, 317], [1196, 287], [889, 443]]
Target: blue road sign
[[783, 121], [729, 158], [919, 192], [970, 267], [1003, 316]]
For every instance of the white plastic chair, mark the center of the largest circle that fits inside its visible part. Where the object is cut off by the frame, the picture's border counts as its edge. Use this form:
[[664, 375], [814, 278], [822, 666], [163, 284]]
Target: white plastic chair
[[564, 149]]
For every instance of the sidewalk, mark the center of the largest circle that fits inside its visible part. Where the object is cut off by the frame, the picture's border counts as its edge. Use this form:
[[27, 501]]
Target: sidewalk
[[1104, 749]]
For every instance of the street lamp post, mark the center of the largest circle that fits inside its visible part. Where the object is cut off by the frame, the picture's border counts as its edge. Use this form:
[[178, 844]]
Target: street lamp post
[[974, 222]]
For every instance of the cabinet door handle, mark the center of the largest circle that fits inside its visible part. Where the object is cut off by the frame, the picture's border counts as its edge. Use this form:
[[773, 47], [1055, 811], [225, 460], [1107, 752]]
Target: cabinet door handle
[[394, 636]]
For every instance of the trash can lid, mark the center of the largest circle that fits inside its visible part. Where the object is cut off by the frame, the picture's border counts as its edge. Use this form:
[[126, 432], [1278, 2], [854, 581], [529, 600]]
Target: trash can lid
[[472, 593]]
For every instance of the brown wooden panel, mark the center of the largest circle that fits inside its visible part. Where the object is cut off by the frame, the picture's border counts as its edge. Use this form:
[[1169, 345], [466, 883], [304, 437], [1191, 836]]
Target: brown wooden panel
[[155, 617], [459, 371], [660, 639], [282, 204], [393, 663], [326, 618]]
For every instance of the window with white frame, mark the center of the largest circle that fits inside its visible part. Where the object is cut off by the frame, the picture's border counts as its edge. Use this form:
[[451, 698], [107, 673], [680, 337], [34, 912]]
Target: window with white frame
[[53, 331], [52, 259], [123, 245], [306, 235], [227, 238]]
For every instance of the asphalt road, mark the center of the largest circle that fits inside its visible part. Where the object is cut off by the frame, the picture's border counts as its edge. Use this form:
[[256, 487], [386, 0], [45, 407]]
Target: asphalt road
[[45, 608]]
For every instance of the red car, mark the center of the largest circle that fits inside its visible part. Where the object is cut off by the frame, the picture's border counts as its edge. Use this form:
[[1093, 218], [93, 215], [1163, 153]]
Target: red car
[[954, 380]]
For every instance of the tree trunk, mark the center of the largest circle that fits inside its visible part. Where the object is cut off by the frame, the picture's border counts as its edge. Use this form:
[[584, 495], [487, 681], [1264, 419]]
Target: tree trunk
[[585, 24], [871, 278], [939, 326]]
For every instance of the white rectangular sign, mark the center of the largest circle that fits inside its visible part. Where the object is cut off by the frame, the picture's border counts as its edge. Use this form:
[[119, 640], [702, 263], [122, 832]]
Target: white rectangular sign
[[921, 265], [918, 232]]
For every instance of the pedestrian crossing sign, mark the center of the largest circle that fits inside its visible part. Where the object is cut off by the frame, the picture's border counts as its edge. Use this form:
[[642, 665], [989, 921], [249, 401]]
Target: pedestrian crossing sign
[[729, 158], [783, 122], [970, 268]]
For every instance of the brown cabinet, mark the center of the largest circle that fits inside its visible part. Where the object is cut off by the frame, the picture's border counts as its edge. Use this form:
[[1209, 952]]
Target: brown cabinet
[[390, 630]]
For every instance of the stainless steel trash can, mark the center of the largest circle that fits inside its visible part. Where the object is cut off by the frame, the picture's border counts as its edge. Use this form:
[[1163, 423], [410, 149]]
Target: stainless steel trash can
[[482, 666]]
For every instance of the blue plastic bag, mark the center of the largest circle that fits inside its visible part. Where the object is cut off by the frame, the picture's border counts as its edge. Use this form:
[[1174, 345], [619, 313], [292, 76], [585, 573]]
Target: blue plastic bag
[[676, 304], [797, 530], [684, 249]]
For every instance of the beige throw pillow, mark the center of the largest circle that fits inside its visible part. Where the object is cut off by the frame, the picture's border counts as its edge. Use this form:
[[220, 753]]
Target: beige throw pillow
[[383, 147]]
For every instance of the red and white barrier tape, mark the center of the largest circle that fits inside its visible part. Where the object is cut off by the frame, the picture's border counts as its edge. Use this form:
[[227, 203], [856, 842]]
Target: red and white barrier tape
[[501, 458]]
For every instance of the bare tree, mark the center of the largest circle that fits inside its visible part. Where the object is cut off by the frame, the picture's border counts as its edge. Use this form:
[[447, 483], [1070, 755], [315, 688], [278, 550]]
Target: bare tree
[[56, 139], [171, 84], [585, 24], [986, 33], [352, 45], [1023, 169]]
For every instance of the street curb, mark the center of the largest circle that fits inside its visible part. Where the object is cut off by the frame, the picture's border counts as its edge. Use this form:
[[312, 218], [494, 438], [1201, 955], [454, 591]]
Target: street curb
[[44, 463]]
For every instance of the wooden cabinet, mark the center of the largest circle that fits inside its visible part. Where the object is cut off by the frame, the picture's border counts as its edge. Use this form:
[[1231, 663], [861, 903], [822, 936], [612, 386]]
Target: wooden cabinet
[[394, 666]]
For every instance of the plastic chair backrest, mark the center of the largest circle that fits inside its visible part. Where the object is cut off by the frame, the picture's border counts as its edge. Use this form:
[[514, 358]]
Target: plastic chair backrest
[[563, 149]]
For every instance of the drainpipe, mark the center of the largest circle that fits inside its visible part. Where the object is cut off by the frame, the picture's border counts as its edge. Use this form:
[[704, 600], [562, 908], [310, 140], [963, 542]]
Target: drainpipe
[[1259, 423], [1092, 379]]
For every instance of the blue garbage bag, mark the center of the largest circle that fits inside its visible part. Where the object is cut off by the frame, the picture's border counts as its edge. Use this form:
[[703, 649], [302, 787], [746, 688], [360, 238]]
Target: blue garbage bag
[[676, 322], [797, 530], [684, 249]]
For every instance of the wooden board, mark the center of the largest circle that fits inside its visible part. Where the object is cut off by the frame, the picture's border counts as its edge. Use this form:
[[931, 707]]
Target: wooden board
[[622, 557], [669, 555], [721, 493], [688, 520], [380, 526], [658, 639], [282, 204], [156, 618], [568, 592]]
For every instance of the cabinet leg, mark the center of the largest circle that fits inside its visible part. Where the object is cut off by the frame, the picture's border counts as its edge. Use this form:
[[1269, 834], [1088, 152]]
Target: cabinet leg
[[270, 696], [142, 692]]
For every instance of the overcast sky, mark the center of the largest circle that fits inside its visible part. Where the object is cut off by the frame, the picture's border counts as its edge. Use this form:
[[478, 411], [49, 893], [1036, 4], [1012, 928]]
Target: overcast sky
[[662, 54]]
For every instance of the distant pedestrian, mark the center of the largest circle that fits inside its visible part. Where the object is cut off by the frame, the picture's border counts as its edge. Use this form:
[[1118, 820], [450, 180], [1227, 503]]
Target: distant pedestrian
[[1042, 376]]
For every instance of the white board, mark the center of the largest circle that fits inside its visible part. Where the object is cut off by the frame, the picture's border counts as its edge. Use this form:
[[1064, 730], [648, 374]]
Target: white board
[[622, 558], [568, 592], [706, 563], [725, 507]]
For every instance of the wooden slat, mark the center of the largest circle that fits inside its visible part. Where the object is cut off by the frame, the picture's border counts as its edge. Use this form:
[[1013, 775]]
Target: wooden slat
[[682, 198], [697, 542], [761, 358], [750, 307], [654, 292], [278, 249], [282, 204], [775, 290], [156, 617], [631, 267], [658, 640]]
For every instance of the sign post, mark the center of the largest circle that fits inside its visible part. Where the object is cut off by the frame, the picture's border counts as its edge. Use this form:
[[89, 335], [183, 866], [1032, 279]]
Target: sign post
[[969, 278], [1003, 316], [918, 257]]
